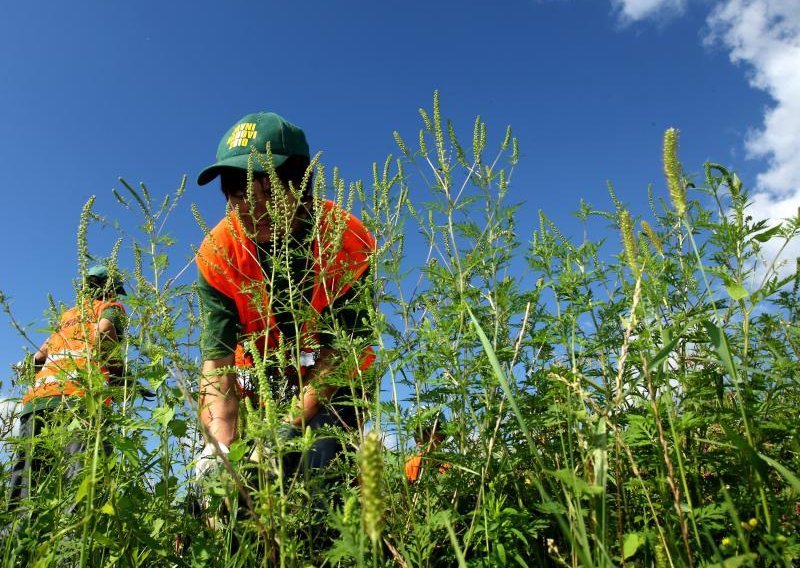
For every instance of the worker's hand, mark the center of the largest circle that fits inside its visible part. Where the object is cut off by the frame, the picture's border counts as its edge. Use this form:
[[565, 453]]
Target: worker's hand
[[288, 431], [268, 449], [210, 463]]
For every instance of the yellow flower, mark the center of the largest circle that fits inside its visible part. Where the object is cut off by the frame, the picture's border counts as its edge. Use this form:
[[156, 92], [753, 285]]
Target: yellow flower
[[753, 522], [726, 541]]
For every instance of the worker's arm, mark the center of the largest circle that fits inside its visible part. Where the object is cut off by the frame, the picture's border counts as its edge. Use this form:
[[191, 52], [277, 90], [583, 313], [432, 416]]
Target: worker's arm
[[315, 393], [107, 341], [40, 357], [219, 400]]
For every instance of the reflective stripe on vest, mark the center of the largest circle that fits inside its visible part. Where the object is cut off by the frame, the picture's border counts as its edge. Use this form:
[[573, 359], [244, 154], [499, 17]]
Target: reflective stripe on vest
[[228, 261]]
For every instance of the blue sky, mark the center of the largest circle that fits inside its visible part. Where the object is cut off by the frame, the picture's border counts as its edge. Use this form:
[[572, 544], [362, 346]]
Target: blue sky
[[144, 90]]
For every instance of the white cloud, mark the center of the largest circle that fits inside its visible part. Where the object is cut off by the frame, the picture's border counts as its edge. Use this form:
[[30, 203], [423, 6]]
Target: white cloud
[[634, 10], [764, 36]]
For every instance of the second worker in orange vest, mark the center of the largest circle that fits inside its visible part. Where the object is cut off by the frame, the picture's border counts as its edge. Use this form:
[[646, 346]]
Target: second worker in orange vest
[[278, 274], [80, 355]]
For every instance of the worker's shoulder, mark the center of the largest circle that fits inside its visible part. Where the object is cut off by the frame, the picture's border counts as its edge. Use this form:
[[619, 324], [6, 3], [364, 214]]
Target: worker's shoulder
[[220, 237], [356, 235], [333, 209]]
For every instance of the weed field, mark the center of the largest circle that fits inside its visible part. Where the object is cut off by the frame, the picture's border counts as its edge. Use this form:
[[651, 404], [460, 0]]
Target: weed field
[[627, 398]]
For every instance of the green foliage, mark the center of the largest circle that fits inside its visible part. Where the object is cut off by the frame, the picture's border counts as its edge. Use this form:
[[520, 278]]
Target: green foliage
[[620, 402]]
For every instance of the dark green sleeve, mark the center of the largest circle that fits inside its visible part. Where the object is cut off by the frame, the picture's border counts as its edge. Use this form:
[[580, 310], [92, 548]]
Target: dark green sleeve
[[350, 312], [219, 321], [116, 316]]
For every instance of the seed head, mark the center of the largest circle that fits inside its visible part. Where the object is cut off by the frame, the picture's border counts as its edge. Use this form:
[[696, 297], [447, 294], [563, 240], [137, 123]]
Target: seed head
[[628, 241], [370, 464], [662, 561], [349, 509], [401, 144], [653, 236], [672, 171]]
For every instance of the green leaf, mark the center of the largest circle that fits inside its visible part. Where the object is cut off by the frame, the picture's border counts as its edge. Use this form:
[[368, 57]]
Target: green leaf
[[767, 235], [720, 343], [737, 291], [550, 508], [749, 452], [163, 415], [631, 544], [735, 561], [83, 489], [787, 475], [600, 455], [577, 484], [501, 553], [178, 427], [129, 449], [237, 451], [156, 527], [656, 361], [108, 509], [520, 561]]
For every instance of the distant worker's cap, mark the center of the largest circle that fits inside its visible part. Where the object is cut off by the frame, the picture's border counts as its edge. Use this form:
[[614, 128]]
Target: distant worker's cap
[[256, 130], [100, 271]]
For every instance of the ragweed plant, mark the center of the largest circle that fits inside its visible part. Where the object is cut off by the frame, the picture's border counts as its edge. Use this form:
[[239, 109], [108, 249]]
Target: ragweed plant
[[623, 398]]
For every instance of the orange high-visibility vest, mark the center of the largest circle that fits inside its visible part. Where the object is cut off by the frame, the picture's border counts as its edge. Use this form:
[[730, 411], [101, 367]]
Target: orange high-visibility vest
[[69, 351], [228, 261], [414, 467]]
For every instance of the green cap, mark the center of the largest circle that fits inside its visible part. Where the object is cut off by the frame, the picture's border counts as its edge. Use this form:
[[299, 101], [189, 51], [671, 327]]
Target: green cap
[[256, 130], [100, 271]]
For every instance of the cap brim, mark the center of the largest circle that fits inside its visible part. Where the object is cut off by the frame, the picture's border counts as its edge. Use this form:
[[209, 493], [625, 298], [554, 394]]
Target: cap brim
[[238, 162]]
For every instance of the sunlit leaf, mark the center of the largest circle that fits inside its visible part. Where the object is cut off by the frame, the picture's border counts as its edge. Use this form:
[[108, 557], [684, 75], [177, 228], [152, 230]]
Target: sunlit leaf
[[737, 291], [631, 544]]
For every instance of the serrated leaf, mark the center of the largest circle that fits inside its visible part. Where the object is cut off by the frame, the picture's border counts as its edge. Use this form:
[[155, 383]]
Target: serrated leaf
[[767, 235], [550, 508], [163, 415]]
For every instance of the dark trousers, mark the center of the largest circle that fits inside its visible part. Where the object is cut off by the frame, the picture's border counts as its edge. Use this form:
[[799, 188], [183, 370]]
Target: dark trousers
[[325, 448], [38, 461], [32, 464]]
